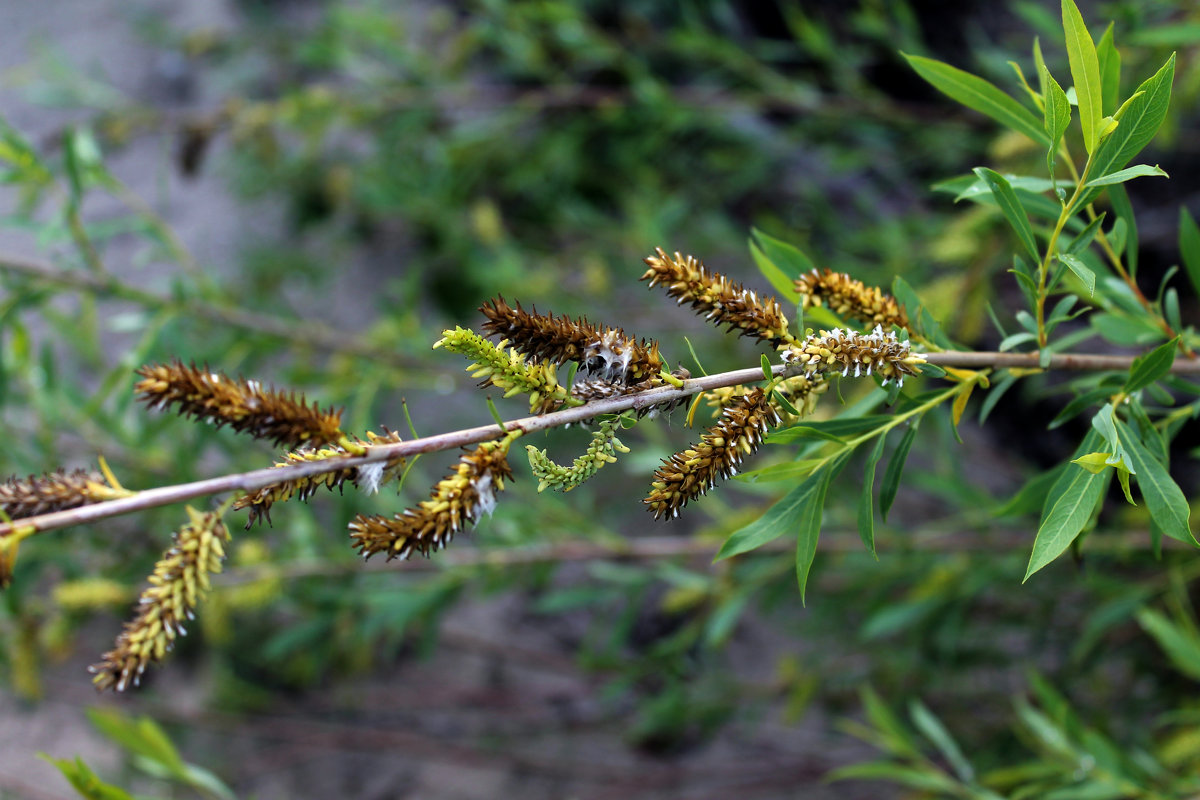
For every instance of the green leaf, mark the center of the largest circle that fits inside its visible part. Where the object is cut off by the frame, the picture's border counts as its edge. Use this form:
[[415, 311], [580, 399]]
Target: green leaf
[[1085, 73], [778, 519], [831, 429], [810, 523], [980, 95], [774, 275], [1126, 240], [1181, 644], [1006, 198], [866, 505], [1081, 271], [1164, 499], [1094, 463], [141, 736], [1068, 508], [933, 730], [766, 366], [895, 468], [85, 781], [1142, 118], [1057, 114], [1189, 246], [1149, 367], [1110, 69], [1120, 176], [788, 261], [1106, 424]]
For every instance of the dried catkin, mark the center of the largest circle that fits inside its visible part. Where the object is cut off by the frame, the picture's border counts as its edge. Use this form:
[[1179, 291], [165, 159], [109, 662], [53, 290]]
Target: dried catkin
[[691, 473], [849, 298], [245, 406], [718, 298], [607, 353]]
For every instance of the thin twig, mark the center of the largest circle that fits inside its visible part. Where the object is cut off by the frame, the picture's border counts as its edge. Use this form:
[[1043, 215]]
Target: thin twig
[[258, 479], [315, 334]]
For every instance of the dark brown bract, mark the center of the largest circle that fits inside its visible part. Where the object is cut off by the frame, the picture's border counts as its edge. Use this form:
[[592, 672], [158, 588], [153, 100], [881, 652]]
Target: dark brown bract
[[244, 405]]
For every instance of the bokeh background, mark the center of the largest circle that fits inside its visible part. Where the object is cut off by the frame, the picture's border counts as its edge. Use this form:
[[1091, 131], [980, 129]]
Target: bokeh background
[[309, 191]]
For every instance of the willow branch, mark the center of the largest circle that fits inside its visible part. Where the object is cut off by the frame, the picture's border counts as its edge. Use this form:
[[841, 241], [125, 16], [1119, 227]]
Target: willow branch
[[317, 335], [258, 479]]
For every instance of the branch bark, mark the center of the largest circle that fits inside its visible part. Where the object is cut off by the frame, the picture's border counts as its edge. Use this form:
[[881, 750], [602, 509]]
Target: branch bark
[[257, 479]]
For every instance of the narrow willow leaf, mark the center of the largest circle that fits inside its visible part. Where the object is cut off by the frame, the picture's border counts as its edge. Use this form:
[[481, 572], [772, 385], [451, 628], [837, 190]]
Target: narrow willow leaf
[[980, 95], [1164, 499], [766, 366], [1011, 208], [851, 426], [1126, 239], [787, 257], [810, 522], [1057, 114], [1148, 368], [1085, 73], [1129, 173], [778, 519], [1180, 643], [895, 468], [1081, 271], [1068, 507], [1105, 422], [1189, 246], [866, 505], [774, 274], [932, 728], [1094, 463], [1141, 120], [960, 404], [1110, 69]]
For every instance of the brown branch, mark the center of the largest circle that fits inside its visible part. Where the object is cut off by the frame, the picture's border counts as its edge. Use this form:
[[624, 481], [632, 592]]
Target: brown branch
[[310, 332], [650, 548], [257, 479]]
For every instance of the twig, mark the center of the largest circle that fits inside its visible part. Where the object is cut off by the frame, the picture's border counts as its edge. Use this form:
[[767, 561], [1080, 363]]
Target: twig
[[258, 479], [313, 333], [650, 548]]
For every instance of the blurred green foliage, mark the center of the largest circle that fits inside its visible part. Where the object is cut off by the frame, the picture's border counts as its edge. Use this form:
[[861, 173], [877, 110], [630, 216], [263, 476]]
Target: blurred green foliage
[[416, 161]]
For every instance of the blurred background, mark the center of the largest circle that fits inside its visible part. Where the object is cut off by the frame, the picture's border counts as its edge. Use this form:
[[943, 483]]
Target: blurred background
[[308, 191]]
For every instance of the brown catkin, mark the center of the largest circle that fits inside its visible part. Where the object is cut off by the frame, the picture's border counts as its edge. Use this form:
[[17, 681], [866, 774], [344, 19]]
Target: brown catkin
[[457, 500], [245, 406], [691, 473], [607, 353], [719, 299], [53, 491], [850, 299]]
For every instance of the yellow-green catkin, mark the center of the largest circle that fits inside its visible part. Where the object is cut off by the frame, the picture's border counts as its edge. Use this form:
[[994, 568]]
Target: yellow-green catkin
[[457, 500], [856, 354], [600, 451], [850, 298], [509, 370], [369, 477], [245, 406], [178, 583]]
